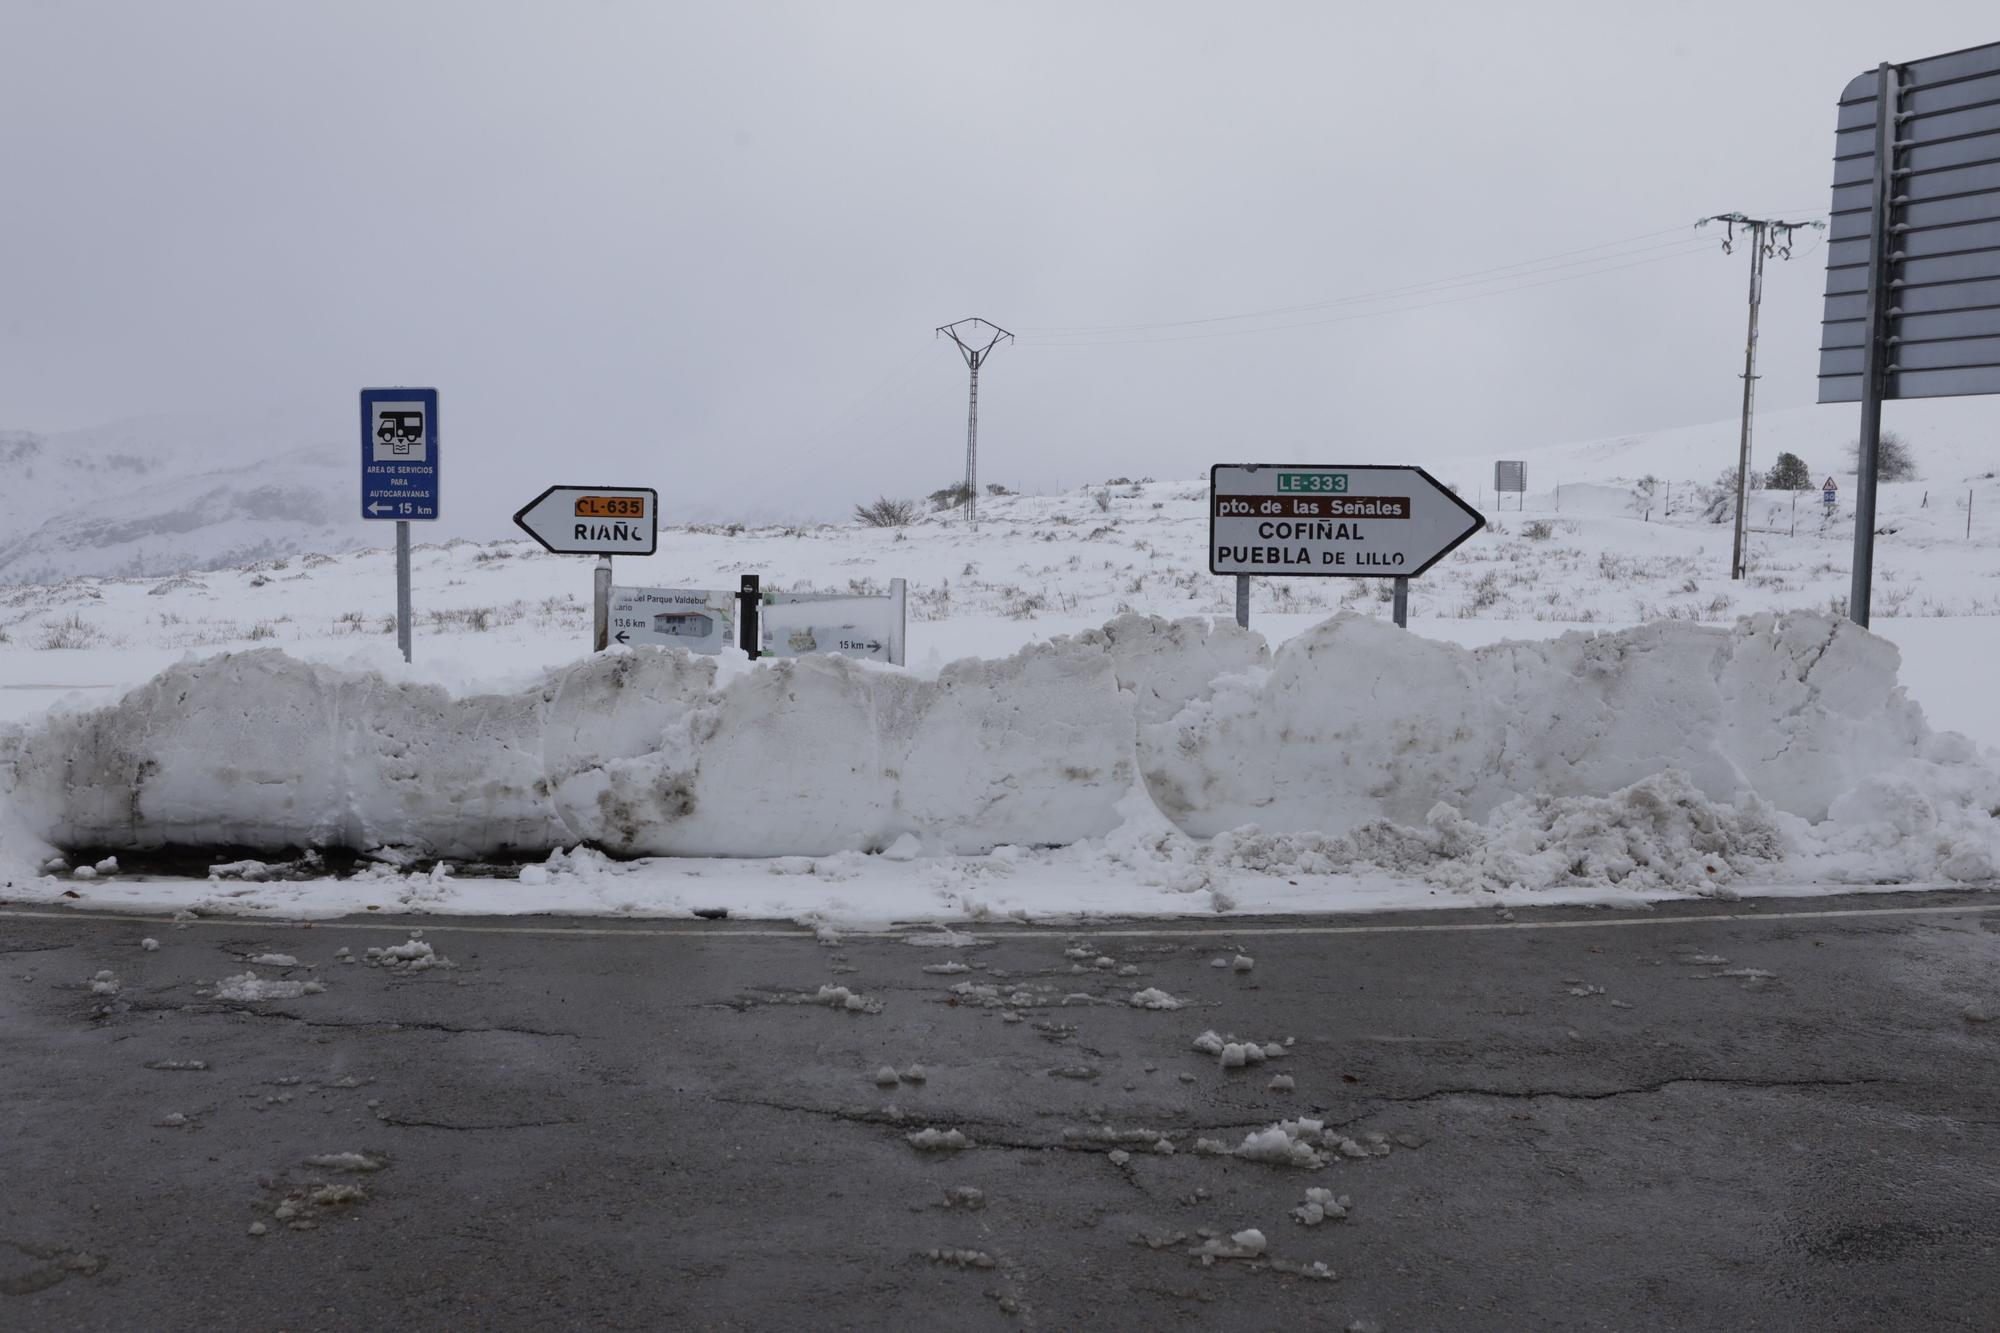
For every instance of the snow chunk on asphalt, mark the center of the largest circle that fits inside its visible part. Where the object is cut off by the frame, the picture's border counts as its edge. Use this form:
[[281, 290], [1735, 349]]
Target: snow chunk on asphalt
[[104, 983], [274, 960], [1287, 1143], [1153, 998], [1246, 1244], [413, 955], [839, 997], [960, 1258], [885, 1077], [347, 1161], [249, 987], [935, 1140], [1320, 1205], [941, 939], [149, 944]]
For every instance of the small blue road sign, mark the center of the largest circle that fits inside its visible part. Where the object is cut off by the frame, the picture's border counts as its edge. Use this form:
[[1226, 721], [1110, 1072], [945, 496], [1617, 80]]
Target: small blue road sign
[[399, 454], [1830, 494]]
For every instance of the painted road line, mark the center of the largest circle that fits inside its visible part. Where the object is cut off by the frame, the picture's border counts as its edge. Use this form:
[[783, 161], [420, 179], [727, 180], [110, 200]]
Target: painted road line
[[433, 925]]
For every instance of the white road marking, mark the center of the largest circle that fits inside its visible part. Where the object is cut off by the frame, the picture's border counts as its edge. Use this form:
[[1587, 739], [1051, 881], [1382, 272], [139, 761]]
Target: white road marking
[[433, 925]]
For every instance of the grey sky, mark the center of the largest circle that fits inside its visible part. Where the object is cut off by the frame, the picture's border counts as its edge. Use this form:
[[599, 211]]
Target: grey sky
[[702, 246]]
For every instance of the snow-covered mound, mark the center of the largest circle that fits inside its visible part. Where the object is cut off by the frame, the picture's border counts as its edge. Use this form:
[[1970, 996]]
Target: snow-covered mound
[[1671, 754], [637, 752], [1356, 720]]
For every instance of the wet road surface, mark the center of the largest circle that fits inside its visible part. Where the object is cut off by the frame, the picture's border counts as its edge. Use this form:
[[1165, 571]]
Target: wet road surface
[[1775, 1115]]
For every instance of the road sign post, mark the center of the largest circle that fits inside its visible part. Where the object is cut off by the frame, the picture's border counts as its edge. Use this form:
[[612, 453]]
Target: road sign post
[[1331, 521], [399, 475], [1912, 255], [595, 520]]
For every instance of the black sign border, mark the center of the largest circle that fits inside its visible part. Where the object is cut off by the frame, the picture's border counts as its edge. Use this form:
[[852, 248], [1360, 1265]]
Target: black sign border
[[1478, 520], [520, 516]]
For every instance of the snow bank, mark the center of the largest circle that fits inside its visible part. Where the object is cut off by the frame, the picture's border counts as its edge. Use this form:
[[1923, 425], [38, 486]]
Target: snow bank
[[638, 753], [1670, 757], [1358, 721], [810, 756]]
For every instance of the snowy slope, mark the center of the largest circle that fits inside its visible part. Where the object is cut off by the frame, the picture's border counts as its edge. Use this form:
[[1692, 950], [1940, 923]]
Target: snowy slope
[[1955, 440], [158, 495]]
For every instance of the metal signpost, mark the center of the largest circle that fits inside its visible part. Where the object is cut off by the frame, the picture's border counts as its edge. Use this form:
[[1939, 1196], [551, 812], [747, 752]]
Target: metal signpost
[[399, 475], [1913, 254], [1509, 474], [1331, 521], [595, 520]]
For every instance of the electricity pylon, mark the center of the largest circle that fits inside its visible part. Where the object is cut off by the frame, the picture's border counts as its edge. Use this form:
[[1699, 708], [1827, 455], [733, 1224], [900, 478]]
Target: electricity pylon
[[975, 353], [1767, 237]]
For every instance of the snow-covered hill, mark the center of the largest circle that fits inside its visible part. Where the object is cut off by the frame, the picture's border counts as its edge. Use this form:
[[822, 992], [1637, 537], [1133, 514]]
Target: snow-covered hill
[[161, 495]]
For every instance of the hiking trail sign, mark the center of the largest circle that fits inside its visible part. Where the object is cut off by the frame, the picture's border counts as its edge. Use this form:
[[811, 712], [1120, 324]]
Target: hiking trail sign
[[1332, 521], [594, 520]]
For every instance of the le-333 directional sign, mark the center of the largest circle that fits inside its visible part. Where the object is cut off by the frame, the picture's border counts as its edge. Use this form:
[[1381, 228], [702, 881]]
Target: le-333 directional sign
[[1315, 520], [594, 520]]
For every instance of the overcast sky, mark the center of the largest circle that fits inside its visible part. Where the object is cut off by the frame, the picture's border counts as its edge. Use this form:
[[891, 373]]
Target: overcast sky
[[704, 246]]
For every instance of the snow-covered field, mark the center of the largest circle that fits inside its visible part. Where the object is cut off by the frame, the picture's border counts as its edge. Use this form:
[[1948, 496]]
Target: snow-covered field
[[1031, 760]]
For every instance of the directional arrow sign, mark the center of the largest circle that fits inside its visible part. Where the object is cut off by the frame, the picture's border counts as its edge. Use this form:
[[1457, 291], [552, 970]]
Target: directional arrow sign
[[594, 520], [1331, 520]]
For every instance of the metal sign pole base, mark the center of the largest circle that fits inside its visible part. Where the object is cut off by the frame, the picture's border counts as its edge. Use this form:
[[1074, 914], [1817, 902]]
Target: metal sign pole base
[[1243, 600], [403, 587], [1401, 604], [600, 612], [749, 630]]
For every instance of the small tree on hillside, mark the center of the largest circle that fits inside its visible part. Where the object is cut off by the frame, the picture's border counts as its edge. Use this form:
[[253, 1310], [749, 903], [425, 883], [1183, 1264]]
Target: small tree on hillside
[[1789, 474], [1894, 459], [886, 513], [951, 497], [1718, 500]]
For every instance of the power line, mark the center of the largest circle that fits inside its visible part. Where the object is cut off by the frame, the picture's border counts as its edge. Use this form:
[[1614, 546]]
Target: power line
[[1682, 252], [1497, 273]]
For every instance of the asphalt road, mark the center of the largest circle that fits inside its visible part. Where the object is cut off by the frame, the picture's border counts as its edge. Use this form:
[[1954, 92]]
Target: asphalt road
[[1777, 1115]]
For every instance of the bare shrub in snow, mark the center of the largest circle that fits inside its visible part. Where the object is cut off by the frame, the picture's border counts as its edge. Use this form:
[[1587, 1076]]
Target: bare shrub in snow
[[72, 631], [1894, 459], [949, 497], [883, 512]]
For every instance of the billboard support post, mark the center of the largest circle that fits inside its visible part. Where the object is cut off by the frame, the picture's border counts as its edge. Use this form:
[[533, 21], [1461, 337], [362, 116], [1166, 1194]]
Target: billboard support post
[[600, 608], [1868, 444]]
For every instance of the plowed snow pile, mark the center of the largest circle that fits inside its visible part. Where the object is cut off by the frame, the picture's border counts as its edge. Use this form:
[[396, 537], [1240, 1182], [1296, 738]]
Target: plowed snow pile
[[1673, 755]]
